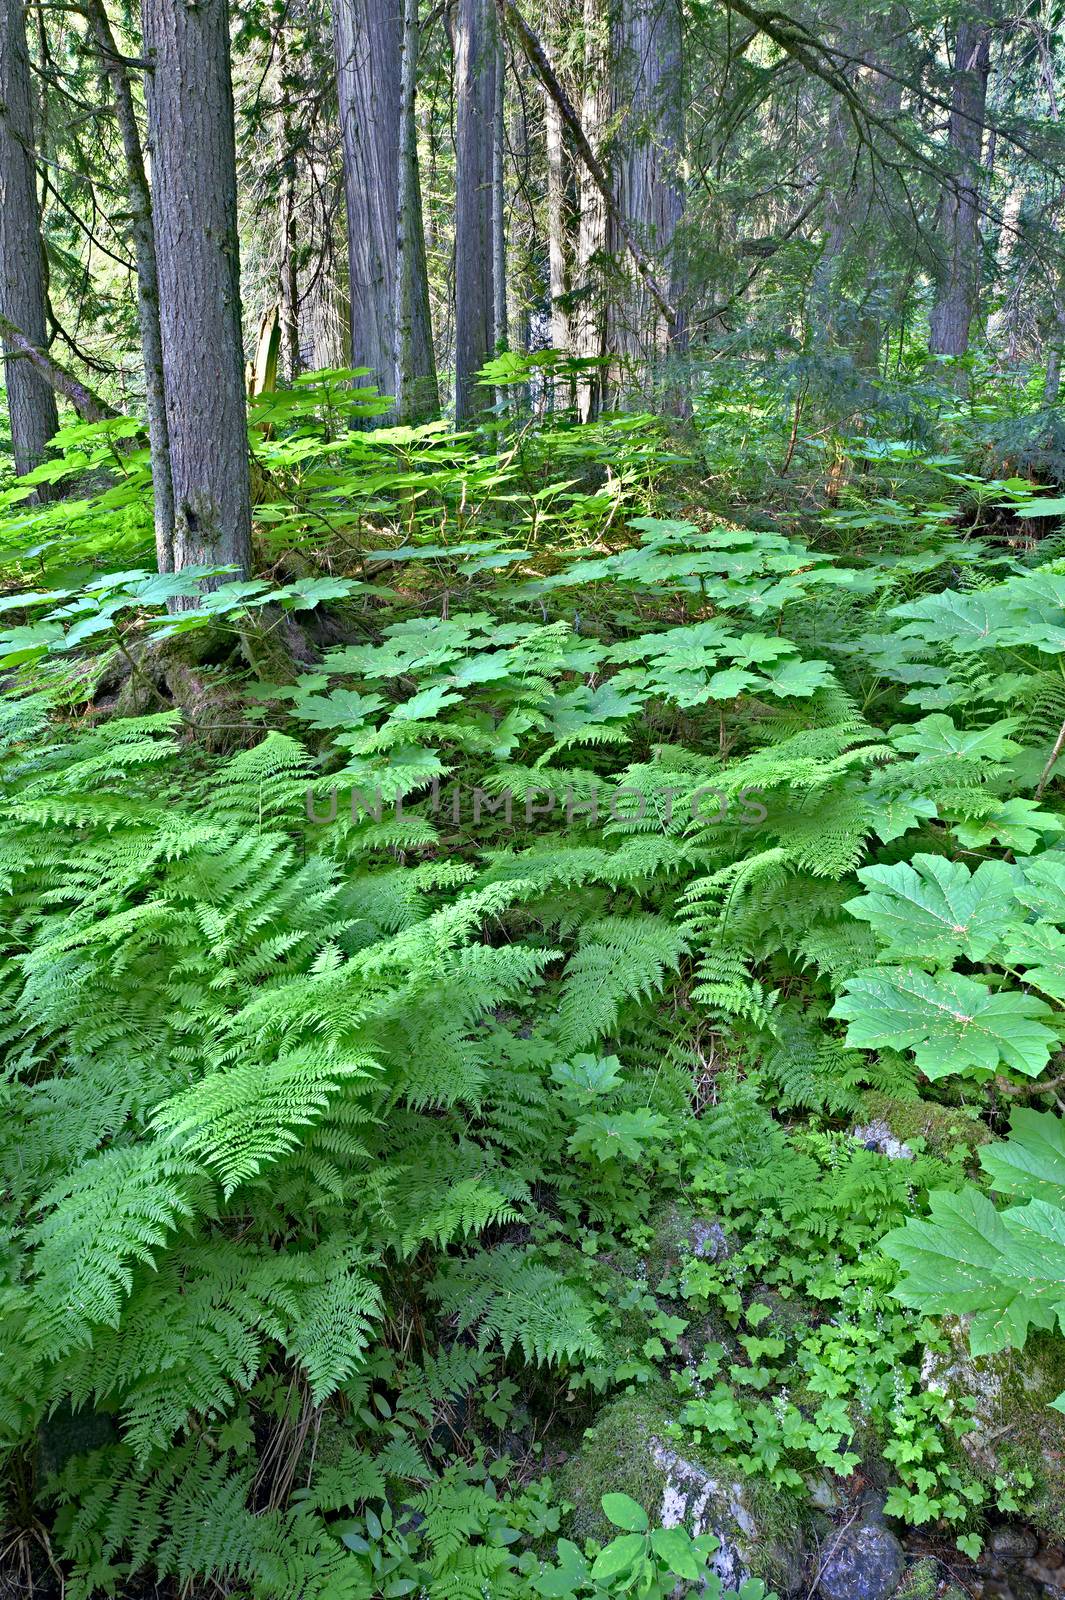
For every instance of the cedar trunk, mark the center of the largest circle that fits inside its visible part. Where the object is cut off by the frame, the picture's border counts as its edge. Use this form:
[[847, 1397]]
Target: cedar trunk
[[558, 227], [476, 72], [594, 232], [376, 47], [140, 226], [191, 141], [651, 141], [30, 398], [957, 266]]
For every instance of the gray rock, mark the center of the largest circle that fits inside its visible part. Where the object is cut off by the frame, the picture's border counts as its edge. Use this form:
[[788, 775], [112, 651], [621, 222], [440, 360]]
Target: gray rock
[[824, 1496], [863, 1563], [694, 1499], [1014, 1544], [876, 1135], [708, 1240]]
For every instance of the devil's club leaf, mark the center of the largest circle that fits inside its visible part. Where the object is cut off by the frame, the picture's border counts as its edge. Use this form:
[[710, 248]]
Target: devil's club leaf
[[932, 909], [1030, 1164], [952, 1023], [1006, 1269]]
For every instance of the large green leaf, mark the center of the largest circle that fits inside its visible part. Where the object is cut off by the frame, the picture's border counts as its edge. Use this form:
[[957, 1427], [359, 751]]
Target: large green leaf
[[1005, 1269], [1030, 1164], [937, 736], [951, 1022], [1039, 949], [933, 909]]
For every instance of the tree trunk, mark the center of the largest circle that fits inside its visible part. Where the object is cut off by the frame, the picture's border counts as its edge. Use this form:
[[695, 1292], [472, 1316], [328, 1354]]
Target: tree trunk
[[1055, 347], [140, 215], [476, 72], [593, 235], [417, 395], [558, 230], [30, 398], [289, 263], [651, 140], [499, 208], [1002, 323], [521, 242], [957, 270], [376, 50], [191, 143]]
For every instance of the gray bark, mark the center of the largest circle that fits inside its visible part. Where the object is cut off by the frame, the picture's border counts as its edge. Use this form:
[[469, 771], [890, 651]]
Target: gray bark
[[957, 265], [30, 399], [651, 141], [476, 71], [377, 131], [558, 240], [593, 233], [499, 209], [1055, 347], [417, 394], [521, 242], [191, 144], [597, 174], [140, 215], [288, 274]]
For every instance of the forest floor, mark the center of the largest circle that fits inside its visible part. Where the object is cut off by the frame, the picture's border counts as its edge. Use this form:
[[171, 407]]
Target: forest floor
[[510, 1098]]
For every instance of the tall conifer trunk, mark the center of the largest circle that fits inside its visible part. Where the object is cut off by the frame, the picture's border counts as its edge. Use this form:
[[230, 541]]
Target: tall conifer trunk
[[594, 231], [651, 140], [191, 142], [376, 52], [143, 237], [30, 399], [957, 270], [476, 77]]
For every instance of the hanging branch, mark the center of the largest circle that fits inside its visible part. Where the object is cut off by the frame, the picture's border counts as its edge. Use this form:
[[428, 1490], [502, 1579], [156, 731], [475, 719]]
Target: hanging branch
[[538, 60], [86, 402]]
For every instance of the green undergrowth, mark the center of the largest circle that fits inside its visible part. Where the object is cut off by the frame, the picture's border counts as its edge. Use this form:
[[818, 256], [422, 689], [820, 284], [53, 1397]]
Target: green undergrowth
[[488, 1070]]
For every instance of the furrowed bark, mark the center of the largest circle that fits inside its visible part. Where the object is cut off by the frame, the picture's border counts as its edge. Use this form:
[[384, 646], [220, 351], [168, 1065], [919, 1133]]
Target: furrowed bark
[[957, 268], [140, 210], [30, 397], [558, 242], [417, 394], [288, 274], [650, 192], [376, 53], [476, 70], [597, 209], [191, 143]]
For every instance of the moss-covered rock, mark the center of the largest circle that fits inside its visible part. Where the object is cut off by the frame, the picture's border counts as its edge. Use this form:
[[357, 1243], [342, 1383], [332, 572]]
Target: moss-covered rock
[[922, 1581], [1018, 1441], [940, 1128], [630, 1451], [678, 1236]]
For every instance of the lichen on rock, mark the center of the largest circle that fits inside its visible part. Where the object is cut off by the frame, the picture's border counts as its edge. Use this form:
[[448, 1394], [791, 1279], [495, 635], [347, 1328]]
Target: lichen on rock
[[1018, 1440], [631, 1450]]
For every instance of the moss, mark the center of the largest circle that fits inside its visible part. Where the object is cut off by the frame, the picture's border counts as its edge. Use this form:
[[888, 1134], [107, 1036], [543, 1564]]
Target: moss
[[919, 1582], [1017, 1435], [942, 1128], [629, 1451], [677, 1235]]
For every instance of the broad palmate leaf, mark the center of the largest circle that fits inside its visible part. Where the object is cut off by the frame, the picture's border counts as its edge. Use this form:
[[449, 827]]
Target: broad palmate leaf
[[951, 1022], [933, 909]]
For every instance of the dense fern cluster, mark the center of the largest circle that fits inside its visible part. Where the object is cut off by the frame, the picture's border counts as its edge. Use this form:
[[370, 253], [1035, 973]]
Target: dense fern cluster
[[348, 1074]]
